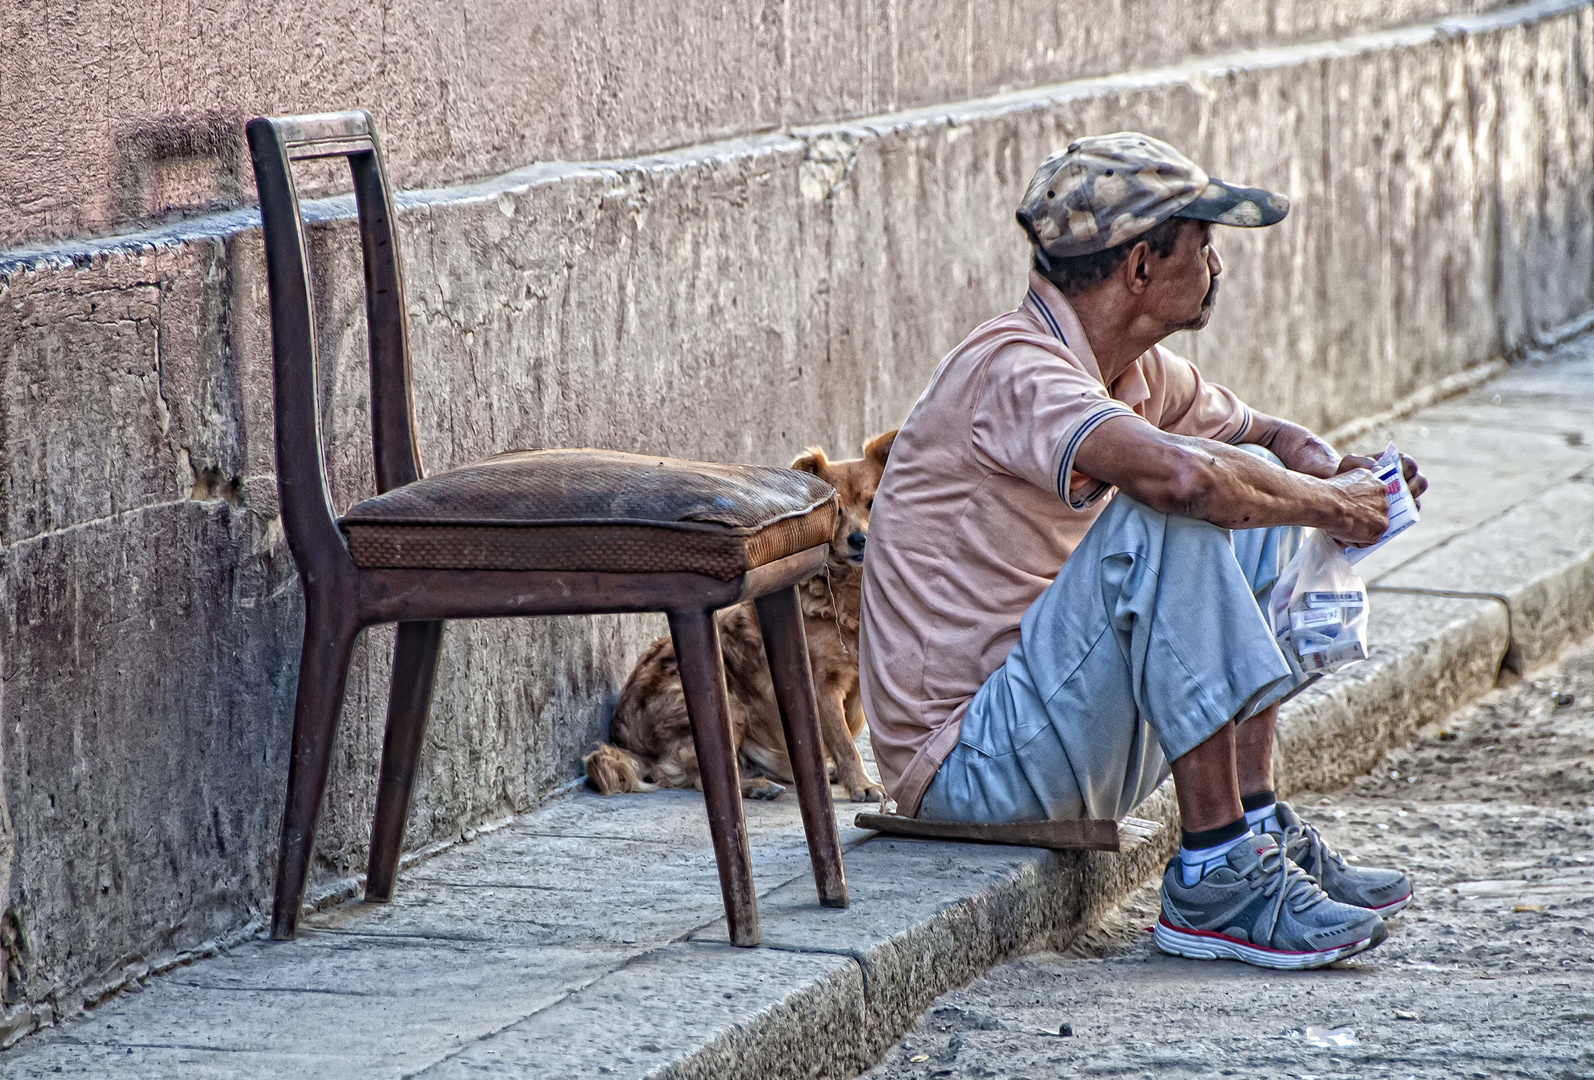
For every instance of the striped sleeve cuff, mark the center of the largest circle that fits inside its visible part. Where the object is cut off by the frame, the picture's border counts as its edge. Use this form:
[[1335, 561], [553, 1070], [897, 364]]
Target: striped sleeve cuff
[[1245, 426], [1093, 420]]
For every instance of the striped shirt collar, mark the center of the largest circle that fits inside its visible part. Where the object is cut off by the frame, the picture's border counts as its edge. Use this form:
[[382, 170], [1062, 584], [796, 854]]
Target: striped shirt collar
[[1056, 317]]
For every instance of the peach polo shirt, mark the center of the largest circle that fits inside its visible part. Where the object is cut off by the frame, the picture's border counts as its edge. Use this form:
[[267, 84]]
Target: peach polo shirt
[[979, 507]]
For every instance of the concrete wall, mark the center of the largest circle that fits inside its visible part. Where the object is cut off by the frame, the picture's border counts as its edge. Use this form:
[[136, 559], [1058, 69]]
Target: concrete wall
[[121, 112], [735, 300]]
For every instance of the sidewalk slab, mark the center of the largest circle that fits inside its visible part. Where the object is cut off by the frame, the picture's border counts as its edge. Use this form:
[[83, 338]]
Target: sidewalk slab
[[586, 939], [689, 1010]]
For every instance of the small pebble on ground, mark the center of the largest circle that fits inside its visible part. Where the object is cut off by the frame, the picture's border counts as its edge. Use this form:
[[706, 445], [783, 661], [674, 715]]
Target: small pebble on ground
[[1490, 973]]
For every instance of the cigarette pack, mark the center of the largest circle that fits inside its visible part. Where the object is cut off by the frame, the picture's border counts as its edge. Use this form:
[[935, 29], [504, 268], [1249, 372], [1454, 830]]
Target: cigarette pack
[[1402, 507]]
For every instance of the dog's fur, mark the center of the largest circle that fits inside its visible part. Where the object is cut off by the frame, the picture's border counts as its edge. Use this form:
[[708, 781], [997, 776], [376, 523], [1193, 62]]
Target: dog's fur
[[652, 736]]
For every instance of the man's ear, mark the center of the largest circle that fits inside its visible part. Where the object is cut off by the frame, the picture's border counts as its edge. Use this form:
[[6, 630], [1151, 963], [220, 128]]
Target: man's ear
[[878, 448], [1137, 272], [813, 461]]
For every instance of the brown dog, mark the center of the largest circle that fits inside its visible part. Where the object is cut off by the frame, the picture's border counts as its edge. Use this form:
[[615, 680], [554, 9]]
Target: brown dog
[[652, 736]]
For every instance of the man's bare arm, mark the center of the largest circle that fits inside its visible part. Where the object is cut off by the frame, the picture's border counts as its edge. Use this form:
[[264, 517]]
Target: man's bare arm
[[1302, 451], [1233, 489]]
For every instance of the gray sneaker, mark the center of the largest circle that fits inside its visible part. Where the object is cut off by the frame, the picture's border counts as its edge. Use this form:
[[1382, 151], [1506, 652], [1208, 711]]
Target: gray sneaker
[[1373, 888], [1262, 909]]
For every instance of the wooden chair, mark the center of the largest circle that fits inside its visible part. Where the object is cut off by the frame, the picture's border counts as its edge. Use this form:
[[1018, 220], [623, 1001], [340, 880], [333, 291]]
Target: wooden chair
[[540, 532]]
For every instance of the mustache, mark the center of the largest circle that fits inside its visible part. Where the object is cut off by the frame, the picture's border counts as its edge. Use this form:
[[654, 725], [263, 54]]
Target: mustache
[[1212, 295]]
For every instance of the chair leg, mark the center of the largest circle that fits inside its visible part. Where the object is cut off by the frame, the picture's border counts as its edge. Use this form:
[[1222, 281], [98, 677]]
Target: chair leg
[[780, 620], [697, 652], [415, 653], [329, 634]]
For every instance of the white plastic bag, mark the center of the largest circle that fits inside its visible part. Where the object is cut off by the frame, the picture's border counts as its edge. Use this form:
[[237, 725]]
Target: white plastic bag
[[1319, 607]]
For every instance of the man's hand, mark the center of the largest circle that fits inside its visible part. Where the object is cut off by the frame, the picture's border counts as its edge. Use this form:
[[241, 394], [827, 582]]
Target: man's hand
[[1365, 503], [1302, 451], [1415, 480]]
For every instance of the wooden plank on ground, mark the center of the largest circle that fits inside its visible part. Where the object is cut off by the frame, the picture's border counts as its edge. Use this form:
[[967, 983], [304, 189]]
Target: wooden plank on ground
[[1088, 835]]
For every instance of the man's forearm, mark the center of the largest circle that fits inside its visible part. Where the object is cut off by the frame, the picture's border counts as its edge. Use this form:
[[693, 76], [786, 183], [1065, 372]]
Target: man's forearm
[[1237, 490], [1227, 486]]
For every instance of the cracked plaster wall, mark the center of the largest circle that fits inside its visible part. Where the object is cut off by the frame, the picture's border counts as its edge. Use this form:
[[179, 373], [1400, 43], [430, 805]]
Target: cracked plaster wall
[[735, 301], [149, 122]]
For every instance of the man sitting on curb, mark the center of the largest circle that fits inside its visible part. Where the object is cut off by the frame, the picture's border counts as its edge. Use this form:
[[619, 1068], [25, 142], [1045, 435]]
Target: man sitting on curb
[[1035, 648]]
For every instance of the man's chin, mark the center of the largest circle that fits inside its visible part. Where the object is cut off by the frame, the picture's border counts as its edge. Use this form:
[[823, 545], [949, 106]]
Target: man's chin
[[1200, 321]]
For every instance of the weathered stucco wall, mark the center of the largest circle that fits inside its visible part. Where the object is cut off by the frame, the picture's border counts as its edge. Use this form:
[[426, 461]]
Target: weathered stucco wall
[[148, 121], [730, 301]]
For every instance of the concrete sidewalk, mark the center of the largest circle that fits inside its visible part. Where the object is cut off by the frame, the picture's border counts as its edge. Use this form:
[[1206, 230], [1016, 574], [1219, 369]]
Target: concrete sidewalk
[[584, 939]]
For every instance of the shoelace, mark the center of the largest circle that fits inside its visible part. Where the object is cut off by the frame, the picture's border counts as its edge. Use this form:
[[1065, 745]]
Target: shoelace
[[1286, 883], [1304, 844]]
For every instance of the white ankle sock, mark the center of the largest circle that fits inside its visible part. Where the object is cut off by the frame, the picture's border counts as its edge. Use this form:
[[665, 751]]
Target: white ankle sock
[[1194, 864], [1263, 820]]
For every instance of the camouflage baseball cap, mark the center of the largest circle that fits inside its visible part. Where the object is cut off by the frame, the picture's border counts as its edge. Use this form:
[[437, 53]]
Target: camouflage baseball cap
[[1106, 189]]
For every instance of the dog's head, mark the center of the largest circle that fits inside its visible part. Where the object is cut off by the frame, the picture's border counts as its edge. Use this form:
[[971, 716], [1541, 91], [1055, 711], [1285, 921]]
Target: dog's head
[[854, 481]]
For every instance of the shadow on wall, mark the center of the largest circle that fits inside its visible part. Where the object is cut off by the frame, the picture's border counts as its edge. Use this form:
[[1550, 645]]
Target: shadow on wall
[[174, 165]]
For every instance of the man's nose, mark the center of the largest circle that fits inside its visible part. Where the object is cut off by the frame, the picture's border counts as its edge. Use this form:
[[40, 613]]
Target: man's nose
[[1214, 264], [856, 541]]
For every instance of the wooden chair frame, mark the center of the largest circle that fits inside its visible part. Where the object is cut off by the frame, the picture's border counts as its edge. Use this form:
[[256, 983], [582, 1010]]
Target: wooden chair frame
[[342, 599]]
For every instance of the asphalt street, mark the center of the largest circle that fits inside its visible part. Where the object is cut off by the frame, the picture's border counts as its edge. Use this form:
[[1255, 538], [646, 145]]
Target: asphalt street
[[1490, 973]]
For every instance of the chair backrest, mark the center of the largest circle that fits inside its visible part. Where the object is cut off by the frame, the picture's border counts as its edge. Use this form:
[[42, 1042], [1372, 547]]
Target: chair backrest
[[275, 143]]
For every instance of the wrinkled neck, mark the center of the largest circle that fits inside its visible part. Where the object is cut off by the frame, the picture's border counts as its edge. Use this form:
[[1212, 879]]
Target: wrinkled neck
[[1118, 331]]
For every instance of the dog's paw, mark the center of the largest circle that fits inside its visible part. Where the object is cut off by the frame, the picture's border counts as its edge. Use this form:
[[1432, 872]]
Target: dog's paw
[[867, 791], [762, 788]]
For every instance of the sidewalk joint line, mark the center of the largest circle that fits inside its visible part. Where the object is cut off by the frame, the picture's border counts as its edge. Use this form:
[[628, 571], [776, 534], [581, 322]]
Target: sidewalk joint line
[[563, 997], [1511, 660], [633, 958], [1575, 478], [659, 841], [851, 954], [449, 884], [274, 989], [402, 936]]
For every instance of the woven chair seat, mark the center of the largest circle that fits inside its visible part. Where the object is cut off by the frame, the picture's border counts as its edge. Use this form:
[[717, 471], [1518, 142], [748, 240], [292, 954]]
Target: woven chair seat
[[593, 510]]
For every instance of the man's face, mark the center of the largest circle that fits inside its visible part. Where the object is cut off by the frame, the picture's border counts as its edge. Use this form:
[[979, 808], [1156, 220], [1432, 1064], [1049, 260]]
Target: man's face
[[1185, 284]]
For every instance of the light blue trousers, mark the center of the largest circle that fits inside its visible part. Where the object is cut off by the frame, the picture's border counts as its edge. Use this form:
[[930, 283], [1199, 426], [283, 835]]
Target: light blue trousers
[[1151, 638]]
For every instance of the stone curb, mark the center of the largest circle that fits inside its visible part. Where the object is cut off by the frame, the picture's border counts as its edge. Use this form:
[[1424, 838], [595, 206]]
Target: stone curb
[[1043, 901]]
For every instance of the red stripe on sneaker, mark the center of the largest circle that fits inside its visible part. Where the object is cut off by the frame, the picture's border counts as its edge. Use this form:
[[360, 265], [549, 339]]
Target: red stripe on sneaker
[[1393, 903], [1251, 944]]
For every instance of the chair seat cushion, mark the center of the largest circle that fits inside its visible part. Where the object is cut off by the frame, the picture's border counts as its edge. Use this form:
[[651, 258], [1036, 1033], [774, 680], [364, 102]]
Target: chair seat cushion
[[594, 510]]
